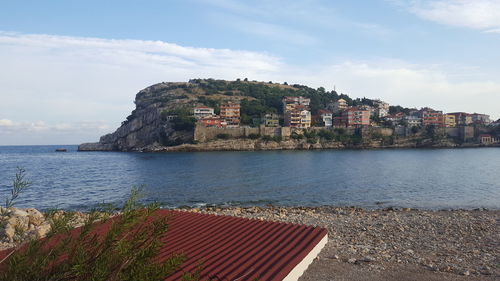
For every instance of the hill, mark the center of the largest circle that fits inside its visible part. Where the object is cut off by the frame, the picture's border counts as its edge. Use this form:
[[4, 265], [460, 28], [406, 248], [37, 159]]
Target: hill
[[149, 123]]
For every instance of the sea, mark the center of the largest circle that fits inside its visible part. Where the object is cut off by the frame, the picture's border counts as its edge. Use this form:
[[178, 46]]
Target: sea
[[404, 178]]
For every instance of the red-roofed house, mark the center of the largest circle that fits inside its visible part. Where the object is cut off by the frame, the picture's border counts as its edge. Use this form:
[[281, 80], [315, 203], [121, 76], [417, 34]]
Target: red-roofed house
[[486, 139]]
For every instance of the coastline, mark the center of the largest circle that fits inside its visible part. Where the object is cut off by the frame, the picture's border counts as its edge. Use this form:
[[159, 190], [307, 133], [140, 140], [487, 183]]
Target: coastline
[[256, 145]]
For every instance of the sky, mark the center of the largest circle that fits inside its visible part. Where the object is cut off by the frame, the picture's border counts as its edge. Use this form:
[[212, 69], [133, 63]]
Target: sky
[[69, 70]]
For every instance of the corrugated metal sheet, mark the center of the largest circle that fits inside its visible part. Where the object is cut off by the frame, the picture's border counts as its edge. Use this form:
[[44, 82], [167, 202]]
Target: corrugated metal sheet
[[231, 248]]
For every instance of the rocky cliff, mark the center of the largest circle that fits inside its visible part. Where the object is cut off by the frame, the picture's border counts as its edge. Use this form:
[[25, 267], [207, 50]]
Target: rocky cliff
[[152, 126], [146, 127]]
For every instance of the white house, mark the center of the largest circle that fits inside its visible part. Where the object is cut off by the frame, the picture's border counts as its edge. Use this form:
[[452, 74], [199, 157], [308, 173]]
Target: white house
[[201, 112]]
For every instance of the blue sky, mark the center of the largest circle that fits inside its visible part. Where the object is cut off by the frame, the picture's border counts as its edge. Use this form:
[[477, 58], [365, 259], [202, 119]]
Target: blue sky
[[71, 69]]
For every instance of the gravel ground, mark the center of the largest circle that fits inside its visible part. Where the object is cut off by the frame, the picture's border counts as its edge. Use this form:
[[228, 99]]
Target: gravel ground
[[395, 244]]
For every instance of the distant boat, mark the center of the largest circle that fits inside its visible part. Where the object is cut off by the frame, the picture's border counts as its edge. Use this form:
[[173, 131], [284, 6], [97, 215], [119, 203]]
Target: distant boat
[[61, 150]]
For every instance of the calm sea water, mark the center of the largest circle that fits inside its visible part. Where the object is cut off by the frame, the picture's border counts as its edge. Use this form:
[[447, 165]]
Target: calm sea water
[[420, 178]]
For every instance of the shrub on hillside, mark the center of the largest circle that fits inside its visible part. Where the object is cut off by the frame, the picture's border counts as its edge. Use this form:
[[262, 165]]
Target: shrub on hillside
[[253, 136], [223, 136], [327, 135], [267, 138]]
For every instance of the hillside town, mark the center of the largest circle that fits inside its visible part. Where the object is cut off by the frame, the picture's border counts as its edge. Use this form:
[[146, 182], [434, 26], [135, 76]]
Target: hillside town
[[338, 114]]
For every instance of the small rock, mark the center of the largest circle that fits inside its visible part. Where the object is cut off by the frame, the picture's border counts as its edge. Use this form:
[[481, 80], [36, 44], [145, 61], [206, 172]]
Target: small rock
[[42, 230], [409, 252], [9, 232], [35, 217], [368, 259], [15, 212], [351, 260]]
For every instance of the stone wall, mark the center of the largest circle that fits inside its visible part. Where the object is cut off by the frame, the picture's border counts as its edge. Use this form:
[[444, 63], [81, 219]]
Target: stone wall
[[465, 133], [203, 134], [453, 132], [367, 132]]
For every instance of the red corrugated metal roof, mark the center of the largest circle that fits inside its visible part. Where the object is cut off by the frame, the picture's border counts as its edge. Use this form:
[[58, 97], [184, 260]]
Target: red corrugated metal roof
[[231, 248]]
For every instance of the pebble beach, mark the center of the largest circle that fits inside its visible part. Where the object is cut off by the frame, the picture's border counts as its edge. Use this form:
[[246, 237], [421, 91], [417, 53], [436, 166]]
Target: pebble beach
[[379, 244], [394, 244]]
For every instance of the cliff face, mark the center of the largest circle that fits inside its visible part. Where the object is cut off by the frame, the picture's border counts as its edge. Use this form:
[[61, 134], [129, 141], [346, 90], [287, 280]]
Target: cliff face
[[146, 128]]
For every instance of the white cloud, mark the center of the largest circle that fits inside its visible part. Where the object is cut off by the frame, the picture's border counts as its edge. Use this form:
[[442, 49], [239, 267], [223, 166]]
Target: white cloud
[[413, 85], [63, 80], [478, 14], [6, 123], [69, 79], [39, 132]]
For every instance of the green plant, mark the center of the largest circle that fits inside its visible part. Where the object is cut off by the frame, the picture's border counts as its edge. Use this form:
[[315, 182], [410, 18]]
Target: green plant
[[124, 247], [312, 140], [19, 184], [223, 136], [277, 138], [326, 134], [340, 131], [267, 138], [253, 136]]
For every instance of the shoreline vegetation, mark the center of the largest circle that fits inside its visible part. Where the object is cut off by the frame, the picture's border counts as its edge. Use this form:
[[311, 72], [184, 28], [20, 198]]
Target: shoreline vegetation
[[448, 244]]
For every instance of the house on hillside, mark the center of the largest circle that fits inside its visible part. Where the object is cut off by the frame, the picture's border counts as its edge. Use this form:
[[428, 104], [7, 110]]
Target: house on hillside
[[271, 120], [213, 121], [298, 118], [291, 103], [412, 120], [449, 121], [431, 117], [200, 112], [395, 118], [326, 117], [230, 113], [462, 118], [356, 117], [337, 106], [381, 108], [481, 119]]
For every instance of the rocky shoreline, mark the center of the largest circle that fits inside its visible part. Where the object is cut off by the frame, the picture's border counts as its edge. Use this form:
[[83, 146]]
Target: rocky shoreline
[[381, 244], [257, 145]]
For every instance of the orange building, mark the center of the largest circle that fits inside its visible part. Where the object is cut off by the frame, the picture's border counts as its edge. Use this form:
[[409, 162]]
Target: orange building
[[432, 118], [213, 121], [355, 117], [291, 103], [230, 113], [462, 118]]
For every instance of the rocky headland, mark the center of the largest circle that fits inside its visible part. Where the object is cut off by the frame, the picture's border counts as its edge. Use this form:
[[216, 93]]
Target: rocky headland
[[162, 122]]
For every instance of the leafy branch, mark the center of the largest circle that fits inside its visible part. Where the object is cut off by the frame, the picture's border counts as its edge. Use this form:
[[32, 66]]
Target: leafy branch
[[19, 184]]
